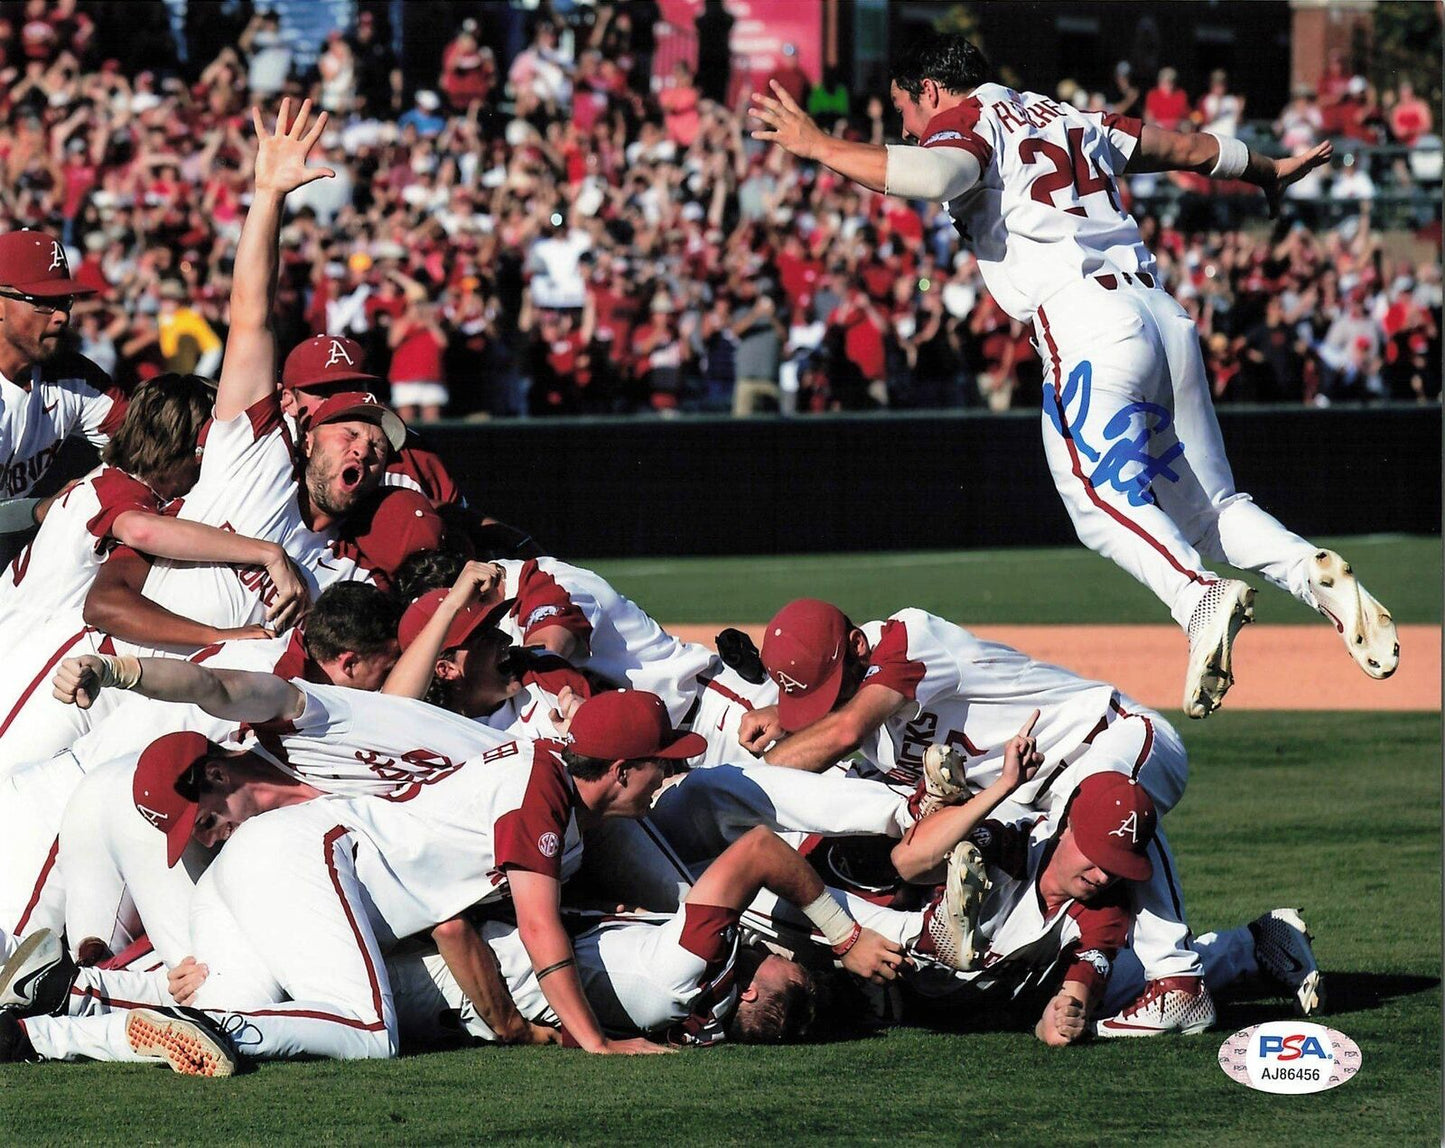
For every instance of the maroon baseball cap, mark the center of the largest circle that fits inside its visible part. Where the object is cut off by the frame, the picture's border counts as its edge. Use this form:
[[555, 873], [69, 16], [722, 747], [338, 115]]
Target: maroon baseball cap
[[326, 359], [396, 524], [34, 263], [629, 725], [157, 786], [803, 652], [361, 406], [469, 619], [1114, 820]]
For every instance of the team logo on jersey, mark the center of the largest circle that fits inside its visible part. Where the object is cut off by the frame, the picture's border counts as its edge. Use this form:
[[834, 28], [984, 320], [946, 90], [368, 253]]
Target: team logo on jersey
[[1100, 962], [548, 844], [57, 258], [158, 820], [338, 354], [1129, 828], [539, 613]]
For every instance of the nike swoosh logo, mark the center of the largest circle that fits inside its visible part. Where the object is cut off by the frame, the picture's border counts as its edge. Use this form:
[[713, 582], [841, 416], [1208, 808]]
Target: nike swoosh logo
[[531, 709], [21, 987], [720, 722], [52, 406]]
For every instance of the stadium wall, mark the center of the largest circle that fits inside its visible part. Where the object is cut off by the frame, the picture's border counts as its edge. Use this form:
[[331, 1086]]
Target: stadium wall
[[604, 487]]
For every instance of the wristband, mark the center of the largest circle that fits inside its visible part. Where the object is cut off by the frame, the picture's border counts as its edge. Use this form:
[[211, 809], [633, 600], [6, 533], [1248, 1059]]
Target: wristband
[[842, 950], [553, 968], [120, 673], [832, 920], [1233, 158]]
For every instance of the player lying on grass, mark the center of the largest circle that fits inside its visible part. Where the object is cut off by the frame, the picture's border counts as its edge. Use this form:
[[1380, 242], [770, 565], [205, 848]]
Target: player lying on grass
[[897, 689], [79, 855], [1056, 920], [576, 614], [1128, 421]]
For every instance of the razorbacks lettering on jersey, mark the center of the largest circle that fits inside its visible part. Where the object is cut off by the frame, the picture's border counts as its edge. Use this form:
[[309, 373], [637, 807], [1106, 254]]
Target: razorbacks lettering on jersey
[[1046, 211], [54, 572], [528, 713], [354, 742], [248, 485], [619, 640], [1029, 944], [971, 694], [68, 395]]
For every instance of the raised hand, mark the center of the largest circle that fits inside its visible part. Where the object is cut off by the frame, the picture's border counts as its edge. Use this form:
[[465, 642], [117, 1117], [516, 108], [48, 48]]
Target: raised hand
[[1021, 756], [1293, 169], [785, 124], [281, 154]]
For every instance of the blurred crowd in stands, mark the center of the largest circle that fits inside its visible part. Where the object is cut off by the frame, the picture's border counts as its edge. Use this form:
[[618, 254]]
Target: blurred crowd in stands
[[559, 234]]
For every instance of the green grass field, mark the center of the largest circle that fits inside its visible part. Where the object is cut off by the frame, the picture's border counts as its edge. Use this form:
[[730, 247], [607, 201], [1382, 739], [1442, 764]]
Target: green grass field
[[1339, 813]]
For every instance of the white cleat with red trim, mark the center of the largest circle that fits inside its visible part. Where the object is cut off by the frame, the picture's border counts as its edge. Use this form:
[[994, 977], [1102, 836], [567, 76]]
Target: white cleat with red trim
[[1173, 1004], [1366, 626], [1226, 606]]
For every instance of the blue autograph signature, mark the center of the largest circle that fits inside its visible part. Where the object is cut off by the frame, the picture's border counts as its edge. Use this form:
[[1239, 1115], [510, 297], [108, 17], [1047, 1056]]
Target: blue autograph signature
[[1121, 454]]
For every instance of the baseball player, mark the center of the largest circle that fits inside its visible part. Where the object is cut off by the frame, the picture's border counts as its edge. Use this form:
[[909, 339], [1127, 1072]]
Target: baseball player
[[1128, 422], [1056, 919], [577, 615], [73, 841], [46, 394], [304, 898], [913, 684], [325, 365]]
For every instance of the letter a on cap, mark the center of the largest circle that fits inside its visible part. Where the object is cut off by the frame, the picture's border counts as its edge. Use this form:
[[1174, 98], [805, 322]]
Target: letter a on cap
[[788, 683], [337, 354], [1128, 827], [57, 257]]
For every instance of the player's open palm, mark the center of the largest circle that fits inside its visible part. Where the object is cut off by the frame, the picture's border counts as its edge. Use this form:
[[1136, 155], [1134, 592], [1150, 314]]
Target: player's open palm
[[635, 1046], [784, 123], [77, 681], [1021, 756], [1293, 169], [281, 154], [874, 957]]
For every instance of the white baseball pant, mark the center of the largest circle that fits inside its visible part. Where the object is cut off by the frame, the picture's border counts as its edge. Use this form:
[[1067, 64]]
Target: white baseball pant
[[32, 803], [1135, 449]]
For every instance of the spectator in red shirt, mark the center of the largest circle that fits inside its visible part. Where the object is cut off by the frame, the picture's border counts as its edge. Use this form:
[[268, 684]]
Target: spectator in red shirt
[[417, 375], [1167, 104], [469, 71], [1410, 117], [860, 378], [679, 106]]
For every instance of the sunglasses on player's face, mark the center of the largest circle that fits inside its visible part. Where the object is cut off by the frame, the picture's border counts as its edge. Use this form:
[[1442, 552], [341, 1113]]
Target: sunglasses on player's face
[[46, 306]]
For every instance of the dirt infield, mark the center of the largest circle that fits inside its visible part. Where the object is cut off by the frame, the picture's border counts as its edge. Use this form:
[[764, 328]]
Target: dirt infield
[[1275, 668]]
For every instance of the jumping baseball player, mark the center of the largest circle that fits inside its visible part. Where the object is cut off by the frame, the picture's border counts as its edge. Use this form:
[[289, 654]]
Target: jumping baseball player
[[893, 690], [1128, 422], [46, 394]]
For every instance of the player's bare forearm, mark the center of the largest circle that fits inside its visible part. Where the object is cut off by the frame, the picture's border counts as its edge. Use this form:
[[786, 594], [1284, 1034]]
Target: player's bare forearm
[[863, 163], [1065, 1018], [925, 847], [237, 695], [164, 537], [839, 733], [115, 605], [539, 923], [248, 371], [477, 973], [783, 122]]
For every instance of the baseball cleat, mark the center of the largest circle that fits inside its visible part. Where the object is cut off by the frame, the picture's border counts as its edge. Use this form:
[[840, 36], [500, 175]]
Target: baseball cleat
[[953, 920], [1174, 1004], [943, 779], [185, 1038], [36, 979], [1282, 948], [1226, 606], [1365, 625], [15, 1043]]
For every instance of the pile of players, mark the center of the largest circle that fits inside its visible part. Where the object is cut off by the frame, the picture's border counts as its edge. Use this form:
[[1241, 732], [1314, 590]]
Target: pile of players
[[302, 755]]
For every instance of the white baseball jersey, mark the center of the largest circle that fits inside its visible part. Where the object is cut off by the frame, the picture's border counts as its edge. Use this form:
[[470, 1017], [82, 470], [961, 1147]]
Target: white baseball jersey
[[973, 695], [55, 571], [248, 484], [1045, 212], [619, 640], [68, 395]]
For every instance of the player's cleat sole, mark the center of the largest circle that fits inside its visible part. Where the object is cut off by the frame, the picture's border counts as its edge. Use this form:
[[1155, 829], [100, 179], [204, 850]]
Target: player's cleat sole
[[186, 1039], [1282, 946], [1226, 607], [1179, 1005], [1366, 626], [36, 979], [954, 928]]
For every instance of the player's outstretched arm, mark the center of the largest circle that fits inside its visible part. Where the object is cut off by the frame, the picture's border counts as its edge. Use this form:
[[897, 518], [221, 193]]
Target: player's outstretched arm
[[839, 733], [479, 583], [478, 974], [236, 695], [1206, 154], [539, 922], [920, 856], [248, 372]]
